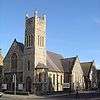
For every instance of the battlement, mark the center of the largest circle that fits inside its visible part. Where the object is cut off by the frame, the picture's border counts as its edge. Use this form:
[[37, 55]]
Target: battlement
[[36, 15]]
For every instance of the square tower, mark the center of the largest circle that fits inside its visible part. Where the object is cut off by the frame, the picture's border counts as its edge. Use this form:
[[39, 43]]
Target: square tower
[[35, 48], [35, 38]]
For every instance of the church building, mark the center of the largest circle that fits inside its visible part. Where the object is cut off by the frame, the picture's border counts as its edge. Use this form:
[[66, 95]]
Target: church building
[[38, 70]]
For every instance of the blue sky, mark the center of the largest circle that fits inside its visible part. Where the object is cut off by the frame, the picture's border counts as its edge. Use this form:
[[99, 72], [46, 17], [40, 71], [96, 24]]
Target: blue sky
[[73, 26]]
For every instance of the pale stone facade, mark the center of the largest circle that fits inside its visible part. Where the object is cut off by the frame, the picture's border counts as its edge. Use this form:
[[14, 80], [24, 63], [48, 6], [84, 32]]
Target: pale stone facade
[[56, 79], [73, 73], [77, 75], [89, 74]]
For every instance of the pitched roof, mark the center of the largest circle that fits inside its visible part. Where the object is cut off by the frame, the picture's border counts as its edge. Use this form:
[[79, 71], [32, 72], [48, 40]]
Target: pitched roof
[[54, 62], [68, 64], [21, 45], [86, 67]]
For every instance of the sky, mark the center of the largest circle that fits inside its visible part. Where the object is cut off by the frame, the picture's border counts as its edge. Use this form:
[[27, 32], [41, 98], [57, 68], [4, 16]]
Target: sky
[[73, 26]]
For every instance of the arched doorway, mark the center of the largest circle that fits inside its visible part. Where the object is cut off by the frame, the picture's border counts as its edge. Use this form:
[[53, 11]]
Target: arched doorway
[[39, 84], [28, 84]]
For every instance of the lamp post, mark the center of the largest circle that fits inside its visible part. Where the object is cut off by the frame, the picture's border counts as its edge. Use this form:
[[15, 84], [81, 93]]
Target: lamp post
[[14, 80]]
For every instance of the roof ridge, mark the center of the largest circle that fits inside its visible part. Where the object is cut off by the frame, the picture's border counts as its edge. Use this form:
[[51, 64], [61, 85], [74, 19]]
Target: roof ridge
[[19, 42], [55, 53], [71, 57], [86, 62]]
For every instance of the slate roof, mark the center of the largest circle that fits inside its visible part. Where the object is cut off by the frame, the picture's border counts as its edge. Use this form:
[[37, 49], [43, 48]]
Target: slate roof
[[54, 62], [86, 66], [68, 64], [21, 45]]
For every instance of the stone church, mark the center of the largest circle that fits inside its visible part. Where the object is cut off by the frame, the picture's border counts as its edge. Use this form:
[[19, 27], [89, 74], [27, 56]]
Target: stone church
[[38, 70]]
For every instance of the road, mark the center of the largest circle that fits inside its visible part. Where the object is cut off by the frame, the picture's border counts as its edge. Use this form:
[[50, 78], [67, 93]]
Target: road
[[12, 97]]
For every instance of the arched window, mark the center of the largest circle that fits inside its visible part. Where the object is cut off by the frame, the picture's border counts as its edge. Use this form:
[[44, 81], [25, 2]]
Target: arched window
[[28, 65], [26, 39], [14, 62], [28, 84], [45, 77], [42, 41], [40, 77], [53, 79], [29, 40], [61, 79], [38, 41]]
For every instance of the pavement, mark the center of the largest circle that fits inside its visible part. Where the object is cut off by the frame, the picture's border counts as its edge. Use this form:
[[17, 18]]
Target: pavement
[[22, 96], [82, 96], [34, 97]]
